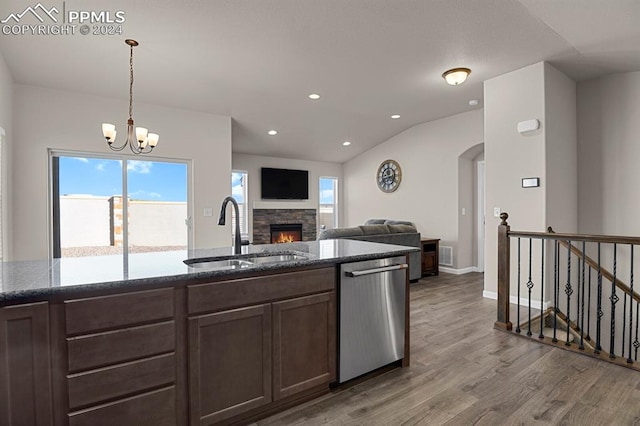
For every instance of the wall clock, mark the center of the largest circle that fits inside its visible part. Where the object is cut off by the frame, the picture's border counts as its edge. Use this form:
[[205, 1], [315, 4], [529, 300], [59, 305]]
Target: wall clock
[[389, 176]]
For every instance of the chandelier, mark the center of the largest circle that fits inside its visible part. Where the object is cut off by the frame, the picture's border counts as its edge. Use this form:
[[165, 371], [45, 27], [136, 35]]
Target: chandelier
[[140, 141]]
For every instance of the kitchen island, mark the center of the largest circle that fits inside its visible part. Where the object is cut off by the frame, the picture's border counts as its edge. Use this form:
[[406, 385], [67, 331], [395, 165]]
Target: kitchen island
[[152, 340]]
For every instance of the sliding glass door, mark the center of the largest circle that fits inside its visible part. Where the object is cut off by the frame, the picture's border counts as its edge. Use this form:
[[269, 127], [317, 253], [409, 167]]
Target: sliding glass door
[[117, 205]]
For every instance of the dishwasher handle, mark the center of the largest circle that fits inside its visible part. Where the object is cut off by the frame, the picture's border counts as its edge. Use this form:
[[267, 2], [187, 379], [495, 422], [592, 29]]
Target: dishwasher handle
[[376, 270]]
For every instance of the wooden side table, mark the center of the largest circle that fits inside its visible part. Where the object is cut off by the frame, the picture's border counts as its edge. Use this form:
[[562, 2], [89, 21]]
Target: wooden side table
[[430, 248]]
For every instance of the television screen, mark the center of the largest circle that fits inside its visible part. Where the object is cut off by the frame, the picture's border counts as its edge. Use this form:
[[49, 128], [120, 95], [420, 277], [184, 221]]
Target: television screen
[[284, 184]]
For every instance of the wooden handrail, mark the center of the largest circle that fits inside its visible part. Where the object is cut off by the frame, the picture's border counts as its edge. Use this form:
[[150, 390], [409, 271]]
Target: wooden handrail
[[594, 265], [577, 237]]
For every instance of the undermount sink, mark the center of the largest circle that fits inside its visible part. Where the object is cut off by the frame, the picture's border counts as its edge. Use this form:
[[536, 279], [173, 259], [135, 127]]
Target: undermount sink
[[272, 258], [218, 264], [213, 264]]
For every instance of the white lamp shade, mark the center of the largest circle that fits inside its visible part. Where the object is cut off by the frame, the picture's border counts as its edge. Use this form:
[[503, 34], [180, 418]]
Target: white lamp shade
[[109, 131], [153, 139], [141, 134], [456, 76]]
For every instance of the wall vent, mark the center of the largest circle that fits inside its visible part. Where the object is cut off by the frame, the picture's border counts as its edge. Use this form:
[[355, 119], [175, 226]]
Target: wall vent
[[446, 255]]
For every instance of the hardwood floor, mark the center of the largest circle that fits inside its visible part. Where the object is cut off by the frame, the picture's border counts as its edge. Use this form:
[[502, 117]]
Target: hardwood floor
[[463, 372]]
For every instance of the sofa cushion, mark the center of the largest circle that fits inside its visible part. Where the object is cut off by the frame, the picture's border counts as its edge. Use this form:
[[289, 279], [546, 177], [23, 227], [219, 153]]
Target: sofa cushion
[[340, 233], [395, 229], [399, 222], [375, 222], [374, 229]]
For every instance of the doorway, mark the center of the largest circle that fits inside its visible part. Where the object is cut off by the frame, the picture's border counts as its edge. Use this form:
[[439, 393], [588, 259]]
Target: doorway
[[480, 179]]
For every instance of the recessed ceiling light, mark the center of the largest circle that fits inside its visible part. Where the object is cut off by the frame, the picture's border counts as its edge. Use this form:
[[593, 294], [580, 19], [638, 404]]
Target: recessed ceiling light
[[346, 143], [314, 96], [272, 132], [473, 102], [395, 116]]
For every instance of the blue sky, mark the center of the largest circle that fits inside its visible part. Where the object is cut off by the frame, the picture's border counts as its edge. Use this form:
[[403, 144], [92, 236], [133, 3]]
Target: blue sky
[[147, 180]]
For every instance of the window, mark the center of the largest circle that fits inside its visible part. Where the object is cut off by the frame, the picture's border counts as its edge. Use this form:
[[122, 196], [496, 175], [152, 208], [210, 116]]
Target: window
[[91, 217], [239, 191], [328, 217]]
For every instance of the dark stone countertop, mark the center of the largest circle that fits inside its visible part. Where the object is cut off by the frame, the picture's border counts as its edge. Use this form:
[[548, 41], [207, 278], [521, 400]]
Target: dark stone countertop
[[38, 279]]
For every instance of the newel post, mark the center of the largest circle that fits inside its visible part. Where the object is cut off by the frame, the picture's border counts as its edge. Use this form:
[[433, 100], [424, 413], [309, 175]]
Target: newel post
[[504, 262]]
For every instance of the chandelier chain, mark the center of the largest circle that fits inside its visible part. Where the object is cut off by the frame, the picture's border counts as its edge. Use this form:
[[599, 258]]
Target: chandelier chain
[[131, 84]]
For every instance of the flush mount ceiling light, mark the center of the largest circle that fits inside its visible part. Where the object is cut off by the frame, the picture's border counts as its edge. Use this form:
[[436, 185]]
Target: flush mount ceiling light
[[395, 116], [456, 76], [272, 132], [140, 142], [346, 143], [314, 96]]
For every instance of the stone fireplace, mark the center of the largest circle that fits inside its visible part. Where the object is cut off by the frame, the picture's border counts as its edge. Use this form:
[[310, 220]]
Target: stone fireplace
[[303, 219]]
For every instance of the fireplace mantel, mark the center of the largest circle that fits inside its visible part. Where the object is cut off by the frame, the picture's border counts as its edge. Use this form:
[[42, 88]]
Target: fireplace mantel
[[283, 204]]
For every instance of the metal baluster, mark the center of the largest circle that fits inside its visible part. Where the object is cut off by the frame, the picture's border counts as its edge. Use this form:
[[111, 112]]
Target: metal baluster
[[624, 326], [614, 299], [556, 289], [568, 291], [636, 343], [529, 286], [541, 336], [629, 360], [599, 309], [589, 308], [518, 302], [581, 347], [577, 327]]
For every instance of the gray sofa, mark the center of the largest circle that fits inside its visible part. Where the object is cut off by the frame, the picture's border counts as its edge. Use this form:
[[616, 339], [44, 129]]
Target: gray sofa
[[384, 231]]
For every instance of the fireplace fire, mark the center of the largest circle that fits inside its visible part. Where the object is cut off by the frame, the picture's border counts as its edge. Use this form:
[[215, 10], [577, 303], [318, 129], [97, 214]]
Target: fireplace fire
[[286, 233]]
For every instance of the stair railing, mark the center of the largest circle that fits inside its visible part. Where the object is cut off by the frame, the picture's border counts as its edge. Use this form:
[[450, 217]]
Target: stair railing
[[567, 293]]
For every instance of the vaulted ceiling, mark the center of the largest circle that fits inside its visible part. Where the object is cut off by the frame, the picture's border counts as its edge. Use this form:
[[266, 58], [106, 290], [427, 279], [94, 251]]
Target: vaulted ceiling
[[258, 60]]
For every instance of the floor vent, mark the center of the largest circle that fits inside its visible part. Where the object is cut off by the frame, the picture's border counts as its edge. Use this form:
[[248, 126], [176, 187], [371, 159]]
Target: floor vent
[[446, 255]]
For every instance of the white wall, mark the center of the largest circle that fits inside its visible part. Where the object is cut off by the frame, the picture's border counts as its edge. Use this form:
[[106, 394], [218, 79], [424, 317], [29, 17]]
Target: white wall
[[535, 92], [609, 155], [153, 223], [561, 154], [50, 119], [428, 194], [6, 121], [84, 221], [253, 163]]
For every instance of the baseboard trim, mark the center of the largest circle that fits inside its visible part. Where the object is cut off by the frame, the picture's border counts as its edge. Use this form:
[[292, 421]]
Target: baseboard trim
[[459, 271], [514, 300]]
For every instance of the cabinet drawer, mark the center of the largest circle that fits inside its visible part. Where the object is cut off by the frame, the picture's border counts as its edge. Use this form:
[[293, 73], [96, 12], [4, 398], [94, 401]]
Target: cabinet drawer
[[109, 383], [104, 312], [155, 408], [249, 291], [112, 347]]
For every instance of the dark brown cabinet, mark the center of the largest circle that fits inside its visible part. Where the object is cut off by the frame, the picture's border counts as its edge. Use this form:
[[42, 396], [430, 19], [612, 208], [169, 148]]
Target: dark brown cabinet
[[250, 359], [304, 346], [430, 248], [229, 363], [25, 390], [121, 360]]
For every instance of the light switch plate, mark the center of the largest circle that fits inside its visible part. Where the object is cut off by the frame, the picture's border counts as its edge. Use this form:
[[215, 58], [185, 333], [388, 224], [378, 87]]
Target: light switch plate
[[496, 211], [208, 212]]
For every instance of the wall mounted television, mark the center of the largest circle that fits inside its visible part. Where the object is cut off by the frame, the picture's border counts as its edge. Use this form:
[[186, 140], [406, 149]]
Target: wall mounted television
[[284, 184]]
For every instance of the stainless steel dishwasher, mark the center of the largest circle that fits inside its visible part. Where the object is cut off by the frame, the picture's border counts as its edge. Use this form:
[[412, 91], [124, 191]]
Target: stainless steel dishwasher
[[372, 315]]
